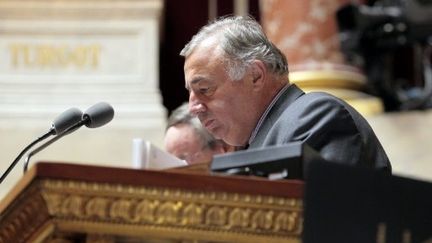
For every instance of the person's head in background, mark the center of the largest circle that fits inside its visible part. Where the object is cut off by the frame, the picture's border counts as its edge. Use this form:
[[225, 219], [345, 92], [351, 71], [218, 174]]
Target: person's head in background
[[187, 139]]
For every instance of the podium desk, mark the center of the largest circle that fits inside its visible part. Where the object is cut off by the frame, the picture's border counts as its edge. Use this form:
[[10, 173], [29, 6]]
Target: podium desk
[[61, 202]]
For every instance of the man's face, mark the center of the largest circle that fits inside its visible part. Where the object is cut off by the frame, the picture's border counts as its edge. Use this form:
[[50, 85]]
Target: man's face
[[183, 142], [224, 106]]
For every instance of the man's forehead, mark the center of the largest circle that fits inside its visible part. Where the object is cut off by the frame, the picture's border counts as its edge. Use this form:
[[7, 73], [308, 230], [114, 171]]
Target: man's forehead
[[200, 60], [196, 71], [207, 49]]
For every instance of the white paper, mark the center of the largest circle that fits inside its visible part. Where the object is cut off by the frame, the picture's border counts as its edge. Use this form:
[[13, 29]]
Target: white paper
[[147, 156]]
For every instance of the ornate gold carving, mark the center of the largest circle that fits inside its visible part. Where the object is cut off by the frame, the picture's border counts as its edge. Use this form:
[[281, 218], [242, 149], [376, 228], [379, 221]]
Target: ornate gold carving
[[97, 207], [73, 205], [145, 210], [239, 218], [29, 213], [163, 207], [168, 212], [121, 209], [216, 216], [192, 215], [262, 220], [290, 222]]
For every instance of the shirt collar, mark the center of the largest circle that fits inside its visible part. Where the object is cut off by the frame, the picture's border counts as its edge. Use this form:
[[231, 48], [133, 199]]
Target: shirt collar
[[263, 116]]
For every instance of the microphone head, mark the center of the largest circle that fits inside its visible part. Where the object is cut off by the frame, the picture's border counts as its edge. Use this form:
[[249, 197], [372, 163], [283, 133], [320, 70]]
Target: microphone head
[[98, 115], [66, 119]]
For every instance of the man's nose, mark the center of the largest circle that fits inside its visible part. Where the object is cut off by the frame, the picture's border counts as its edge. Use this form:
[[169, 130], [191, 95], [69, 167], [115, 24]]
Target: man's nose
[[195, 105]]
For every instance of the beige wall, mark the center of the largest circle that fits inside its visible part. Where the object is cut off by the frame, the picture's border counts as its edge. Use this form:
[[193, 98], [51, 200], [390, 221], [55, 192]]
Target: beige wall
[[61, 54]]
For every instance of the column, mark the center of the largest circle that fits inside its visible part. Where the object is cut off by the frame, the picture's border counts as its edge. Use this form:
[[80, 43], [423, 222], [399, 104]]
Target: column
[[306, 31]]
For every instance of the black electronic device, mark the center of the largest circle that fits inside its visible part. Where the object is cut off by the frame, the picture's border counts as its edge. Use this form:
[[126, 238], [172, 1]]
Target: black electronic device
[[286, 161], [391, 41], [350, 204]]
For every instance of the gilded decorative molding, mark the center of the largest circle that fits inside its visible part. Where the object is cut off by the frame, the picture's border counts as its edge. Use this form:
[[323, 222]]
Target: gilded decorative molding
[[25, 216], [174, 208], [140, 211]]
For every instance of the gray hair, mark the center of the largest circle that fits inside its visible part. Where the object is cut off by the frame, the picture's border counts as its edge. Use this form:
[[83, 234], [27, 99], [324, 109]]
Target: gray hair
[[181, 115], [243, 40]]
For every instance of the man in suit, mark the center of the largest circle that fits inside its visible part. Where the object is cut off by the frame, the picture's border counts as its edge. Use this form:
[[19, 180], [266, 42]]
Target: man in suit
[[239, 89]]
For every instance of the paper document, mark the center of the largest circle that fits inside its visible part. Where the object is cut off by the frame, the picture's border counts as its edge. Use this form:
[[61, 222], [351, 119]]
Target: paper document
[[145, 155]]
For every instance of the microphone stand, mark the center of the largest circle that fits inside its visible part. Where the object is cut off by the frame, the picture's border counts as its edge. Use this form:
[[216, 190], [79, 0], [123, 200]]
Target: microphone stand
[[37, 140], [95, 116], [46, 144]]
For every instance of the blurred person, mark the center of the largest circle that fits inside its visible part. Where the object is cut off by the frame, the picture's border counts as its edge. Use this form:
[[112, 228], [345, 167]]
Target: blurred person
[[187, 139]]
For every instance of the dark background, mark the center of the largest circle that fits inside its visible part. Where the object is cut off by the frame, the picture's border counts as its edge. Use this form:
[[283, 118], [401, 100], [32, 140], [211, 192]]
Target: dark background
[[180, 21]]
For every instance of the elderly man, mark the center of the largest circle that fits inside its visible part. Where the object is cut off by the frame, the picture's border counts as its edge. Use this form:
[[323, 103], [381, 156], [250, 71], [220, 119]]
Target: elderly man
[[187, 139], [239, 89]]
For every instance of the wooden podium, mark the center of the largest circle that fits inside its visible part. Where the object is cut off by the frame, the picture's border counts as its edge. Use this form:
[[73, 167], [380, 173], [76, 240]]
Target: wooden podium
[[59, 202]]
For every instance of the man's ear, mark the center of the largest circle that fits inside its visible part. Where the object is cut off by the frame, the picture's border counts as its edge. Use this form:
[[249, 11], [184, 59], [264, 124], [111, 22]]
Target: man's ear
[[259, 71]]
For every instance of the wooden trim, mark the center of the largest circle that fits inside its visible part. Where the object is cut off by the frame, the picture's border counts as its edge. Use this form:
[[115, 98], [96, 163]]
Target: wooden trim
[[171, 179]]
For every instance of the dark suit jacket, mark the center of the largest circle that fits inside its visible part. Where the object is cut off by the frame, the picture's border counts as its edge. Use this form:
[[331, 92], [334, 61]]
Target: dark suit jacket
[[327, 124]]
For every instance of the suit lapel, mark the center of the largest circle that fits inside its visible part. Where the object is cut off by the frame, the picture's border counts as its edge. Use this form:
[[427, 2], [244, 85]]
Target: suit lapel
[[291, 94]]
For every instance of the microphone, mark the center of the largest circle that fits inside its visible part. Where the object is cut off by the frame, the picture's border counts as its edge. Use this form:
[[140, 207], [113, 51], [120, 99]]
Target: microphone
[[59, 125], [68, 117], [96, 116]]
